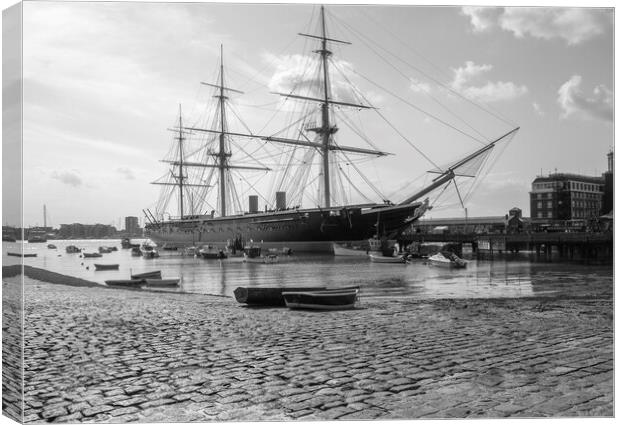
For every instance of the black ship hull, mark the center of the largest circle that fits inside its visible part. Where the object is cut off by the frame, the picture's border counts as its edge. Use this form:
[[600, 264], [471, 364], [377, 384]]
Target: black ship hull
[[298, 229]]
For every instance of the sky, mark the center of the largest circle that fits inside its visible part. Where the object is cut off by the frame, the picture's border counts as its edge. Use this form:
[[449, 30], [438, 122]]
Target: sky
[[102, 85]]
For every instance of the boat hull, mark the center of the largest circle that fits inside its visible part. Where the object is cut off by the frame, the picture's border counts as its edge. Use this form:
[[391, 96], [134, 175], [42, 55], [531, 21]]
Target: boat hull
[[266, 296], [302, 230], [321, 300], [106, 267], [401, 259], [162, 283], [147, 275]]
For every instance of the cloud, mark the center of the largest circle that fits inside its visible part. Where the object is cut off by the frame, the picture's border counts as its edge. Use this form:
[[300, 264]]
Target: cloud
[[573, 101], [573, 25], [418, 86], [67, 177], [538, 109], [126, 172], [298, 74], [482, 18], [485, 91]]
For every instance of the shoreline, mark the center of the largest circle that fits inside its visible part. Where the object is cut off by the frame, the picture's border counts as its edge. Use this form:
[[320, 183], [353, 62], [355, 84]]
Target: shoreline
[[48, 276], [100, 355]]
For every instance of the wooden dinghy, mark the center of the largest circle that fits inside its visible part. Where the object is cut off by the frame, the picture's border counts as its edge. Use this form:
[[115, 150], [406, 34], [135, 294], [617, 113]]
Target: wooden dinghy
[[156, 274], [266, 296], [106, 267], [162, 283], [19, 254], [399, 259], [326, 299], [131, 283]]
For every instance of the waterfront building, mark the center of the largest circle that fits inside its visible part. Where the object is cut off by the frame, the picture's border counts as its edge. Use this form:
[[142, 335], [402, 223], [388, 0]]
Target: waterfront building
[[86, 231], [564, 196], [132, 226], [513, 222], [608, 189]]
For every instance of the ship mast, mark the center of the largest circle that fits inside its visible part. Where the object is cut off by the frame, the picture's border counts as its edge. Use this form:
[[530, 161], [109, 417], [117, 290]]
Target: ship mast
[[181, 176], [325, 127], [222, 153]]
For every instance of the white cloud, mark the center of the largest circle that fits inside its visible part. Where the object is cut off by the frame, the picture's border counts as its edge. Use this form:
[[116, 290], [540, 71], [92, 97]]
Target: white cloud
[[465, 78], [538, 109], [298, 74], [68, 177], [574, 101], [464, 74], [573, 25], [418, 86], [481, 18]]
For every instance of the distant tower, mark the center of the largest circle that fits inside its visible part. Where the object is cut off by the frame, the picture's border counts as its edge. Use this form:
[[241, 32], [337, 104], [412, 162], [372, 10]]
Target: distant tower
[[610, 162]]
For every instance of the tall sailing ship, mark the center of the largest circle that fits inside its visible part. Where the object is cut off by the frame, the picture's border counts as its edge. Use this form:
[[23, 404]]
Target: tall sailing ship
[[195, 174]]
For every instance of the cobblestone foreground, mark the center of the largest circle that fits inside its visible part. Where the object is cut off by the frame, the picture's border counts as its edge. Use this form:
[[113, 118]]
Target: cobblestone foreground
[[103, 355]]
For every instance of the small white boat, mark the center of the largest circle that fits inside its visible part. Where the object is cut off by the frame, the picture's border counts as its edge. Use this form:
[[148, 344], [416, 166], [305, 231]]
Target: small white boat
[[162, 283], [447, 260], [149, 251], [401, 259]]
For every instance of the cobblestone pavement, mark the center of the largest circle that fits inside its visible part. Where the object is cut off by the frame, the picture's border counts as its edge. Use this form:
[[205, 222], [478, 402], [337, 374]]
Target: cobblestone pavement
[[102, 355]]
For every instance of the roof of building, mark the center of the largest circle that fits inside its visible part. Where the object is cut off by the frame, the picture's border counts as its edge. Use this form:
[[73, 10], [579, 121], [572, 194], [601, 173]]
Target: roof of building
[[568, 176], [500, 219]]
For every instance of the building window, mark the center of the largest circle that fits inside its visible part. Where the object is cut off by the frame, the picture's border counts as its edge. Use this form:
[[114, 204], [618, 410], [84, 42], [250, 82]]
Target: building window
[[550, 214], [539, 204], [549, 204], [539, 214]]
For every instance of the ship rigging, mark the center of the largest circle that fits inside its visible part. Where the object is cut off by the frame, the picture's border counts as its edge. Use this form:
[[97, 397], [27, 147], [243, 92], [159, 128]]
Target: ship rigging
[[194, 174]]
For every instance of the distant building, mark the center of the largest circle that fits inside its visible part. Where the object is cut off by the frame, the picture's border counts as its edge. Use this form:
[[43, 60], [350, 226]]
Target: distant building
[[608, 189], [86, 231], [513, 222], [563, 196], [132, 226]]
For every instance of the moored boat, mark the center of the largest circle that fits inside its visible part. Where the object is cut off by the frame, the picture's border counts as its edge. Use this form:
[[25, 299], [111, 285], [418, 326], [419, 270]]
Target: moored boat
[[19, 254], [162, 283], [51, 246], [447, 259], [136, 252], [253, 255], [398, 259], [91, 255], [267, 296], [156, 274], [104, 250], [106, 266], [125, 282], [209, 252], [149, 251], [326, 299], [309, 163], [72, 249]]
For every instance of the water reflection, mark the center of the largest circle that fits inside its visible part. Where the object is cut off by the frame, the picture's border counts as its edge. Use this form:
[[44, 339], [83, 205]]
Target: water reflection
[[500, 278]]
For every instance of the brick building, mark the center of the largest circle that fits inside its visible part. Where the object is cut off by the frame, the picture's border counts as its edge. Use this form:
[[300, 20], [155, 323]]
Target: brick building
[[563, 196]]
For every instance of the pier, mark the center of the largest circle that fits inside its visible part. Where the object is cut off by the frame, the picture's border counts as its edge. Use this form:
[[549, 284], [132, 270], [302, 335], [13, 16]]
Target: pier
[[585, 246]]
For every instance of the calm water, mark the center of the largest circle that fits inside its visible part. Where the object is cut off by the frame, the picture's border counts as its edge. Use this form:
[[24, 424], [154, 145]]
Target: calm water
[[499, 278]]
